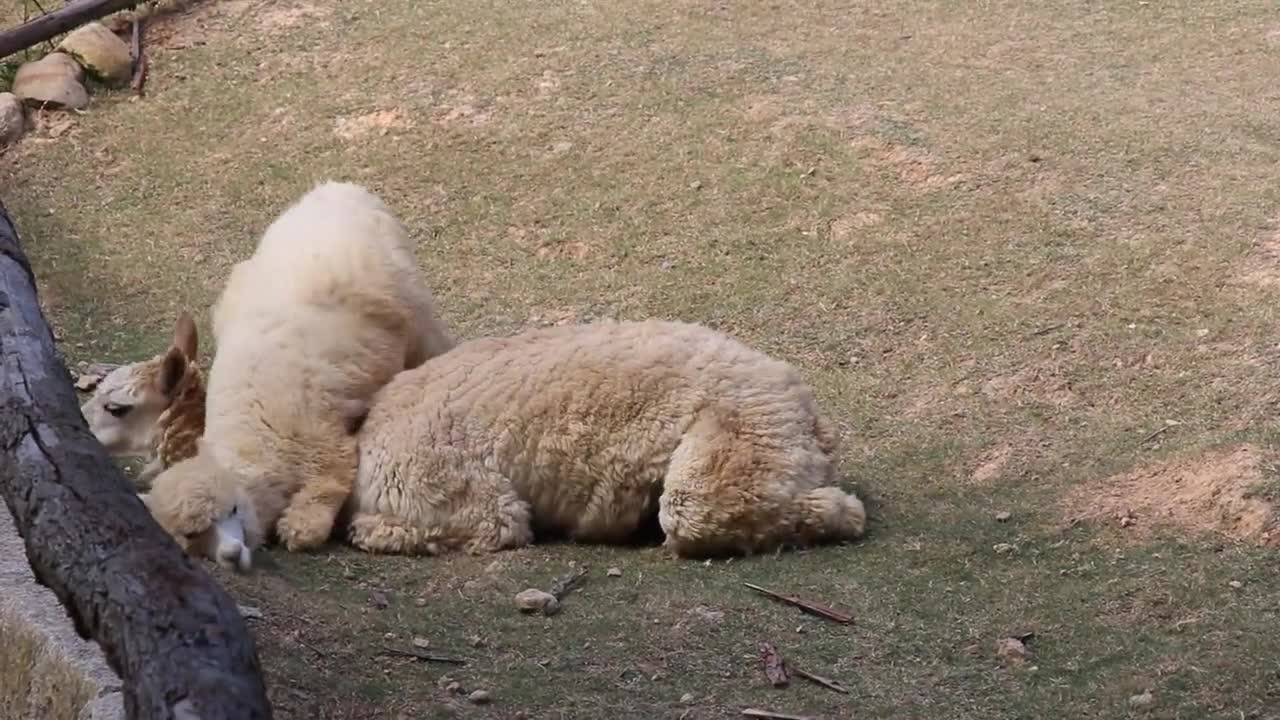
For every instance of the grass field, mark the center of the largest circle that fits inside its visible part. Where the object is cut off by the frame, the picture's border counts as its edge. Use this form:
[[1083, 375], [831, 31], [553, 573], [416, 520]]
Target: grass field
[[1028, 254]]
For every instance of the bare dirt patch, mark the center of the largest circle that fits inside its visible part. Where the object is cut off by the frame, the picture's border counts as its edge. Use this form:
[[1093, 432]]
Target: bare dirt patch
[[991, 464], [284, 18], [1043, 383], [844, 229], [1210, 493], [378, 122], [1261, 268], [462, 109]]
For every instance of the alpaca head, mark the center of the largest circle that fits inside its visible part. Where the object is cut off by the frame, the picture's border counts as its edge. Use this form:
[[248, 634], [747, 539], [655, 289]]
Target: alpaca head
[[206, 510], [125, 407]]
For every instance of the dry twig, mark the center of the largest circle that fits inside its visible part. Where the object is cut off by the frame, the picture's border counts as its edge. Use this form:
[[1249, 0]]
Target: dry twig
[[771, 715], [424, 657], [139, 60], [805, 605], [567, 583], [819, 680]]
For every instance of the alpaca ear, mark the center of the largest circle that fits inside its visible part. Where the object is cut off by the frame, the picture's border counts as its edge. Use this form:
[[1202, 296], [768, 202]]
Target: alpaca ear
[[172, 371], [185, 337]]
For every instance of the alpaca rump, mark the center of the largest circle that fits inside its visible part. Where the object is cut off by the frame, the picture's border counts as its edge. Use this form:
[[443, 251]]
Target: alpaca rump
[[330, 307], [584, 431]]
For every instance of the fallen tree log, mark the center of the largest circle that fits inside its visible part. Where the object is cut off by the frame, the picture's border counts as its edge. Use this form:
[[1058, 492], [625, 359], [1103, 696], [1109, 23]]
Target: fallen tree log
[[171, 633], [51, 24]]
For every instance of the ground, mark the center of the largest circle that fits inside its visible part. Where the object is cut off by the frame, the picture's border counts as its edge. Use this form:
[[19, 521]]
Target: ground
[[1028, 254]]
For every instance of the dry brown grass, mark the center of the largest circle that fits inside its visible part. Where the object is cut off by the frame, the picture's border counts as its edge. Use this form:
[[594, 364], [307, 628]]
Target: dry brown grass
[[35, 683]]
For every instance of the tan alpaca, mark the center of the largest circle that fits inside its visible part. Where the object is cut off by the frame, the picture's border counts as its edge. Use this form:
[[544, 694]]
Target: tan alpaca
[[587, 430], [329, 307], [154, 408]]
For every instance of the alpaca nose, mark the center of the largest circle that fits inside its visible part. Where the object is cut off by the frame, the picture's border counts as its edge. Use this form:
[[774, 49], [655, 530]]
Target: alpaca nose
[[229, 554], [234, 555]]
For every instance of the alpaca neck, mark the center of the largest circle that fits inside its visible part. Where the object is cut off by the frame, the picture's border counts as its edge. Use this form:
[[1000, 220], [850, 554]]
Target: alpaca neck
[[182, 424]]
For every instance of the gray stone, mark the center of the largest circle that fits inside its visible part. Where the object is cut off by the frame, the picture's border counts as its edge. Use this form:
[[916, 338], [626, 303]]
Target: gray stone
[[50, 82], [13, 119], [102, 53]]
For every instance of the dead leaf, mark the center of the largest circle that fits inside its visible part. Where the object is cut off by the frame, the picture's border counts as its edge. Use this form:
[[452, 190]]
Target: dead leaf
[[774, 667]]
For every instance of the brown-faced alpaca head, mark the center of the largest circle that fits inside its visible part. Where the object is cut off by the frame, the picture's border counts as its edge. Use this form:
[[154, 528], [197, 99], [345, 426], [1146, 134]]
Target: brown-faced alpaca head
[[125, 408]]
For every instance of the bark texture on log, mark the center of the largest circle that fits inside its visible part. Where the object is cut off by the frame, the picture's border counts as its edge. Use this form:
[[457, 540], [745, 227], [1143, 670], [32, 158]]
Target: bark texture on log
[[174, 636], [68, 17]]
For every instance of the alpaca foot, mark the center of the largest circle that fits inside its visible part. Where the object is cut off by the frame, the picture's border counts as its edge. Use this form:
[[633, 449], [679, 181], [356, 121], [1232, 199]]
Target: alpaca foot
[[305, 528]]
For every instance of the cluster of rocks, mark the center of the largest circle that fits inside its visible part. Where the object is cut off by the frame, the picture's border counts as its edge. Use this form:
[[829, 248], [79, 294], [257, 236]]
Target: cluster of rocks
[[57, 80]]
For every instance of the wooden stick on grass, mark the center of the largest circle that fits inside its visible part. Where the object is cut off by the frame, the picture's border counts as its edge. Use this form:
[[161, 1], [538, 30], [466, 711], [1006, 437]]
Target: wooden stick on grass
[[805, 605]]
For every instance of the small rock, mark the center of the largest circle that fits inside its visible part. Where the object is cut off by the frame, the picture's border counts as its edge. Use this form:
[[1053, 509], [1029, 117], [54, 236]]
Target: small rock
[[50, 82], [1235, 584], [695, 185], [686, 699], [454, 687], [421, 643], [379, 600], [1012, 651], [420, 602], [249, 612], [13, 122], [533, 600], [1143, 701], [1003, 516], [102, 53], [475, 641], [480, 697], [1003, 548], [389, 636], [614, 572]]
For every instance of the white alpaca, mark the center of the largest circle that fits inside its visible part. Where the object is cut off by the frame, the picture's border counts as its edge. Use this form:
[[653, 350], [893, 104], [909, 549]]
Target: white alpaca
[[330, 306], [587, 431]]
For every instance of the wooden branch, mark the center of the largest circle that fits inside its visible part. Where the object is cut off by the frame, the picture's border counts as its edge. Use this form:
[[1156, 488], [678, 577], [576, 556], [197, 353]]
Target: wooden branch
[[68, 17], [808, 606], [423, 656], [139, 59], [819, 680], [174, 637], [771, 715]]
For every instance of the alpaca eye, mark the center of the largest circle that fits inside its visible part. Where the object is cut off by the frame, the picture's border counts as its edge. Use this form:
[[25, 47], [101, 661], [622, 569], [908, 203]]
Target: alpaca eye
[[117, 410]]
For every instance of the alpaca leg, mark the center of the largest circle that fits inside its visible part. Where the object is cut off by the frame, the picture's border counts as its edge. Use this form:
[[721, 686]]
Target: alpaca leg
[[308, 520], [390, 535], [486, 513], [730, 493], [472, 509]]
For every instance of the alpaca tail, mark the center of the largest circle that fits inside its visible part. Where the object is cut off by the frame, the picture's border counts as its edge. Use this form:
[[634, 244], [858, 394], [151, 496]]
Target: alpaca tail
[[830, 514]]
